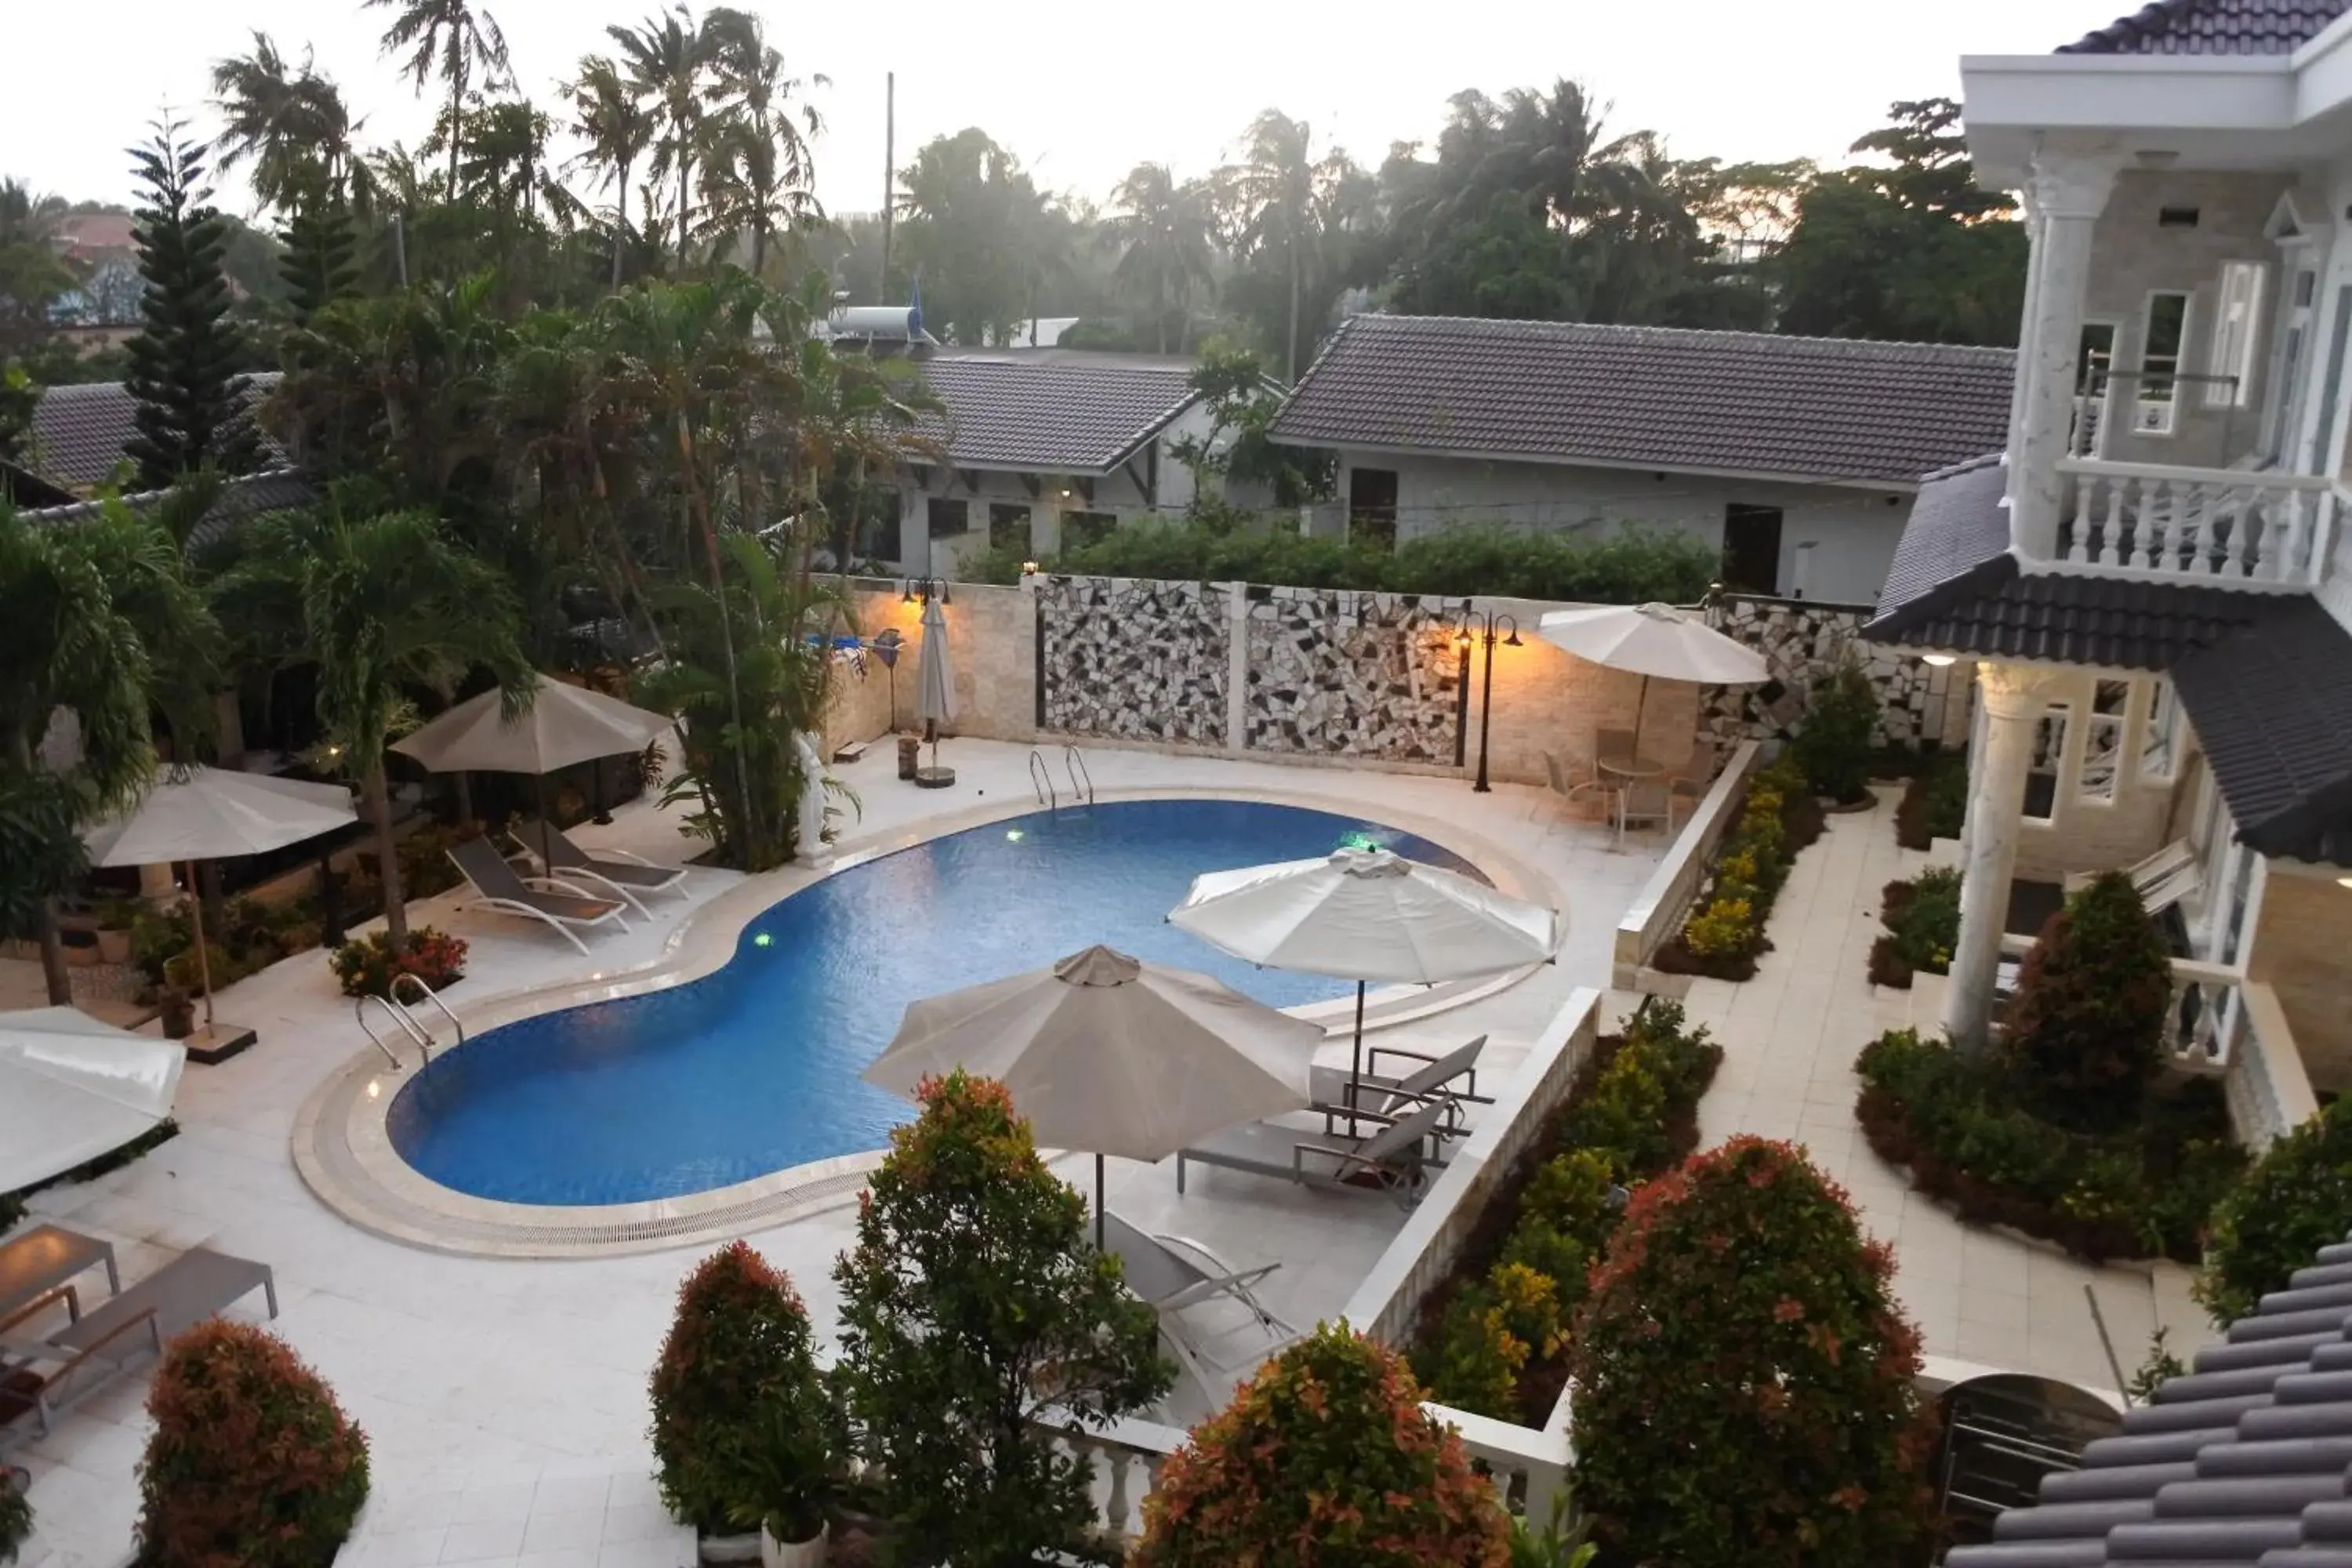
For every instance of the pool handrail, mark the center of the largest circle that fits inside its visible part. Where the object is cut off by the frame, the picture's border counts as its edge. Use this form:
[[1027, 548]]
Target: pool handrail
[[1076, 762], [1041, 779]]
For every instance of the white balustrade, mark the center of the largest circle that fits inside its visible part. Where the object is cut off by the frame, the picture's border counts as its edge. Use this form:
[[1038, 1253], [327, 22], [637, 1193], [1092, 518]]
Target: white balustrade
[[2222, 525], [1124, 1459]]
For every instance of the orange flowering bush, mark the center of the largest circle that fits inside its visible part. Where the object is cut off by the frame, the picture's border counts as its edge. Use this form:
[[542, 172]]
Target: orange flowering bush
[[252, 1464], [1325, 1459], [1743, 1377]]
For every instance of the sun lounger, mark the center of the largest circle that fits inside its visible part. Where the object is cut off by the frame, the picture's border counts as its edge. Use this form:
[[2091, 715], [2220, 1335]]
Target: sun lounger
[[614, 870], [1174, 1272], [564, 907], [1393, 1159], [46, 1257], [43, 1376], [1392, 1097]]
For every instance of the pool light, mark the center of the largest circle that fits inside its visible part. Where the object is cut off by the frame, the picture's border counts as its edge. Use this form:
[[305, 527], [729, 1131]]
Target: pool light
[[763, 938], [1015, 835]]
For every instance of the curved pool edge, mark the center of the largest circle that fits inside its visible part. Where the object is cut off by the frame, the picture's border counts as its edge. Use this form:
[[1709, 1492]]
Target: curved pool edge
[[342, 1146]]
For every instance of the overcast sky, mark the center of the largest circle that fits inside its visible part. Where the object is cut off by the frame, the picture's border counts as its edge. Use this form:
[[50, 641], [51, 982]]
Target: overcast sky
[[1082, 92]]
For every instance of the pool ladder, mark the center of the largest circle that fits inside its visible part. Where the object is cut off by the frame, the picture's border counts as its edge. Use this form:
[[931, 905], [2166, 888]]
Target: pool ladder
[[1082, 779], [404, 1020]]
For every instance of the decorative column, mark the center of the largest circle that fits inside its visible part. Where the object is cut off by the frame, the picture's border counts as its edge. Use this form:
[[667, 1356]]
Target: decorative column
[[2011, 700], [2066, 196]]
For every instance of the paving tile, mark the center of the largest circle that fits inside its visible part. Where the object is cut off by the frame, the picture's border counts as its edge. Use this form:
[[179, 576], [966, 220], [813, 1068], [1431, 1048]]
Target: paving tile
[[569, 1493], [482, 1538], [406, 1549], [582, 1528], [510, 1502]]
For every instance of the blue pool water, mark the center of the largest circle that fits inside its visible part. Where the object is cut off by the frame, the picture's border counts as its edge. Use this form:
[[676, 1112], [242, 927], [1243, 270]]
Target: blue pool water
[[754, 1068]]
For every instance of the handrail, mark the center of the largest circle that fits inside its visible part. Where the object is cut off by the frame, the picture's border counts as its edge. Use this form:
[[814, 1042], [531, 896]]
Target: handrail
[[430, 996], [2234, 479], [1076, 761], [401, 1020], [1041, 779]]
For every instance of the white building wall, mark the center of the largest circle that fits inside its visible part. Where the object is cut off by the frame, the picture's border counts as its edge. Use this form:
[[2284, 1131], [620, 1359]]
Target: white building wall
[[1836, 542]]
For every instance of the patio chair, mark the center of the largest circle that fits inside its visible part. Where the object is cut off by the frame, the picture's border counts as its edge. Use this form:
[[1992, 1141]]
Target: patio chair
[[565, 908], [624, 874], [1395, 1159], [1565, 785], [1390, 1096], [1171, 1273], [45, 1376], [1648, 803], [1689, 784], [2161, 881]]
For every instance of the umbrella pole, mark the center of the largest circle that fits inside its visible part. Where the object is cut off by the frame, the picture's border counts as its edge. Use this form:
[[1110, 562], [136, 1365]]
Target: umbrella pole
[[1639, 703], [1099, 1203], [1355, 1073], [204, 958], [546, 825]]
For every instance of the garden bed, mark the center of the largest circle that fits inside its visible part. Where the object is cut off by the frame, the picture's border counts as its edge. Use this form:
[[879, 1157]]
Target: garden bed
[[1491, 1339], [1923, 925], [1936, 801], [1961, 1128], [1724, 934]]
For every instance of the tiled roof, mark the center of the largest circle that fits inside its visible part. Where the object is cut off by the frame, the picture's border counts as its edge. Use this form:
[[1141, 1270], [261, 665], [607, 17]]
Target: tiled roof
[[1957, 523], [80, 431], [2243, 1462], [1565, 392], [1993, 610], [2273, 708], [2212, 27], [279, 490], [1051, 411]]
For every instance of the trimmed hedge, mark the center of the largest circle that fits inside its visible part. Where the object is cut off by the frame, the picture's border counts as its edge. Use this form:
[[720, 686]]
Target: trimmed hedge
[[2084, 1032], [2295, 1200], [1724, 934], [1963, 1128]]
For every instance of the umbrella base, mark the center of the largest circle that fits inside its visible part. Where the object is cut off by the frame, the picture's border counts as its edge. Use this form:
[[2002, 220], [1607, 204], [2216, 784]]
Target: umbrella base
[[934, 778], [212, 1043]]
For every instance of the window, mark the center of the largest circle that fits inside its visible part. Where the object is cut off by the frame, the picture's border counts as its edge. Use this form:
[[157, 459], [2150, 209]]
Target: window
[[1372, 505], [2163, 330], [2095, 368], [2159, 747], [1080, 529], [2103, 742], [2234, 342], [1751, 548], [2049, 757], [948, 517], [1008, 525]]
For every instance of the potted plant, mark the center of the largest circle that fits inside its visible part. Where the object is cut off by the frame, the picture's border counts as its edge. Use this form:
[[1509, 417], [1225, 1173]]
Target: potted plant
[[178, 1010], [15, 1512], [784, 1470], [114, 920]]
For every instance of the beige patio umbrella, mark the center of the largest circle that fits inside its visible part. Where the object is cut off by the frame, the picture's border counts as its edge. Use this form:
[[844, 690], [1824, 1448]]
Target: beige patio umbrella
[[563, 725], [1105, 1053], [204, 814], [72, 1089], [1654, 640], [935, 702]]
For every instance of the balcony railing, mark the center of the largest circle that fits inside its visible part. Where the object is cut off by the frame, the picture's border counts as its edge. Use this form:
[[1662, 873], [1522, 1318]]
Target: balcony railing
[[2224, 526]]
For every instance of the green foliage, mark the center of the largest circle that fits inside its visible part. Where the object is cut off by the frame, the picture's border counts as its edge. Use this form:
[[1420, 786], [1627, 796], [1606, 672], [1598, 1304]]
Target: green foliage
[[1923, 926], [1725, 930], [973, 1300], [367, 965], [1935, 802], [16, 1514], [1325, 1459], [739, 1411], [1972, 1137], [1240, 405], [1833, 744], [320, 256], [2161, 1367], [2086, 1028], [1554, 1544], [1743, 1377], [2296, 1199], [183, 362], [251, 1460]]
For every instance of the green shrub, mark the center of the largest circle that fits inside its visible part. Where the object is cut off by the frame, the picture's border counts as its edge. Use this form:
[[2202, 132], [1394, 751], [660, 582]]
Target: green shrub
[[1923, 925], [2085, 1029], [366, 965], [157, 937], [2296, 1199], [1743, 1377], [15, 1519], [1935, 802], [1324, 1460], [426, 867], [1833, 743], [250, 1462], [738, 1410]]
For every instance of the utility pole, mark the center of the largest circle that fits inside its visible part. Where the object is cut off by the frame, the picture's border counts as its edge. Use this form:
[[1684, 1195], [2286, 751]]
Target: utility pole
[[889, 169]]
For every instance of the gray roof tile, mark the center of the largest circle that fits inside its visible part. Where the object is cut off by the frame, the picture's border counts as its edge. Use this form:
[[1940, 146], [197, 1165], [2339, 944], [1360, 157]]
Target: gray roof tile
[[1051, 411], [2286, 1509], [80, 431], [1567, 392], [2272, 708], [2212, 27], [278, 489]]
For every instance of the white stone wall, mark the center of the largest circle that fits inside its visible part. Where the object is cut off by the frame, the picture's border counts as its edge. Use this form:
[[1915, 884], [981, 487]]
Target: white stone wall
[[1135, 660], [1804, 644], [1370, 675]]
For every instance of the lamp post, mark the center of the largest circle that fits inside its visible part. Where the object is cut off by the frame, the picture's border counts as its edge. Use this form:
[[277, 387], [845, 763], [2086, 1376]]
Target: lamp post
[[1488, 626], [923, 590]]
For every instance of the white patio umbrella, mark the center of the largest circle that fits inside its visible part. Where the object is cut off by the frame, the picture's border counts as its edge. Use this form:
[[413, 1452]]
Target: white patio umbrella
[[935, 702], [1366, 915], [565, 724], [1654, 640], [71, 1088], [1108, 1053], [203, 813]]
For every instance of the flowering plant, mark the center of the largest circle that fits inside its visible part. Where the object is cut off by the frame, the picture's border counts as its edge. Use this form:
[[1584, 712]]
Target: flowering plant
[[367, 966]]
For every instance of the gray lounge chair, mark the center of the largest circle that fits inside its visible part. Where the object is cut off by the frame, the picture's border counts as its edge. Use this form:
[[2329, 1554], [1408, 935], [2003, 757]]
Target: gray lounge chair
[[43, 1376], [1396, 1160], [1391, 1097], [45, 1257], [1173, 1273], [616, 870], [564, 907]]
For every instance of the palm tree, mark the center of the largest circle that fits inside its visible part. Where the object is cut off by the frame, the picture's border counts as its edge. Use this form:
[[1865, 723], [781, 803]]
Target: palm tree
[[617, 129], [292, 124], [380, 606], [668, 60], [451, 38], [757, 171], [1277, 195], [1162, 232], [103, 623]]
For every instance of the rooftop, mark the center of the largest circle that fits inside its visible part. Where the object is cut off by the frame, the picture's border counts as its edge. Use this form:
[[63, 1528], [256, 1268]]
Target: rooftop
[[1651, 397], [80, 431], [2212, 27], [1051, 411]]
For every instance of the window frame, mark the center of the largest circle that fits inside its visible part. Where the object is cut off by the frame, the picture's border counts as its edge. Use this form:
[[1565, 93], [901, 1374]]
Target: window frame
[[2152, 415]]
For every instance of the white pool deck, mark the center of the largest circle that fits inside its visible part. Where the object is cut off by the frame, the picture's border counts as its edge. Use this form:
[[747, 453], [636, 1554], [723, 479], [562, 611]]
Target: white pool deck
[[504, 1399]]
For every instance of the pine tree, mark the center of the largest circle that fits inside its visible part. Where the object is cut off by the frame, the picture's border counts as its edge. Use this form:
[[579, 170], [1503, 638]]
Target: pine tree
[[319, 264], [191, 401]]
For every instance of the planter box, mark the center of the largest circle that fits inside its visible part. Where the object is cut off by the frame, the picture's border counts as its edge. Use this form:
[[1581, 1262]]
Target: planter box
[[729, 1548], [808, 1553]]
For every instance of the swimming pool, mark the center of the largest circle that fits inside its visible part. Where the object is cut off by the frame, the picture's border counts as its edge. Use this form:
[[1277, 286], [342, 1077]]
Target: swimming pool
[[754, 1068]]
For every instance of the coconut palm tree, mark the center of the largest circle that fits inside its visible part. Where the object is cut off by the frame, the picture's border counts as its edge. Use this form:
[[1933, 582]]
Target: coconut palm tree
[[289, 122], [1162, 231], [380, 606], [455, 41], [617, 129], [757, 171], [669, 59], [1277, 195]]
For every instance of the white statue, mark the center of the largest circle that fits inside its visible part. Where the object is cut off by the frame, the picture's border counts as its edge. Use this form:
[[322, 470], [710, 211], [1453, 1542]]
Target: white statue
[[813, 847]]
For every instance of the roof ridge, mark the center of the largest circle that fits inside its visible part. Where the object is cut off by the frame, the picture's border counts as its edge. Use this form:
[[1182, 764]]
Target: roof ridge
[[1696, 334]]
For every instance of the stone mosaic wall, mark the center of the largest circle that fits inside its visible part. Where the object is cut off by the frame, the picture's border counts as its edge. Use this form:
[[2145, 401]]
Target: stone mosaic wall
[[1370, 675], [1134, 659], [1804, 643]]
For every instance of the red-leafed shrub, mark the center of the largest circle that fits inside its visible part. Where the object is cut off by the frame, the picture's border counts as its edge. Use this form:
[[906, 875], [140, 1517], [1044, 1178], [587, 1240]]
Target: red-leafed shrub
[[2086, 1031], [367, 966], [1742, 1377], [252, 1464], [1325, 1458]]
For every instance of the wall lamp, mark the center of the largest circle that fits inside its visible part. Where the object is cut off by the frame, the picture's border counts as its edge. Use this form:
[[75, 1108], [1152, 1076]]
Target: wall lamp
[[1939, 660], [923, 590]]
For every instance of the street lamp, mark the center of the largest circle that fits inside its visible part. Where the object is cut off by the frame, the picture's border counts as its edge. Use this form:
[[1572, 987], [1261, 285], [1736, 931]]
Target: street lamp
[[923, 590], [1488, 626]]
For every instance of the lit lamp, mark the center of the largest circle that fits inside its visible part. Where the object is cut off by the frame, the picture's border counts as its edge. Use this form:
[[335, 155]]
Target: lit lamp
[[1489, 628], [1937, 660], [1028, 569]]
